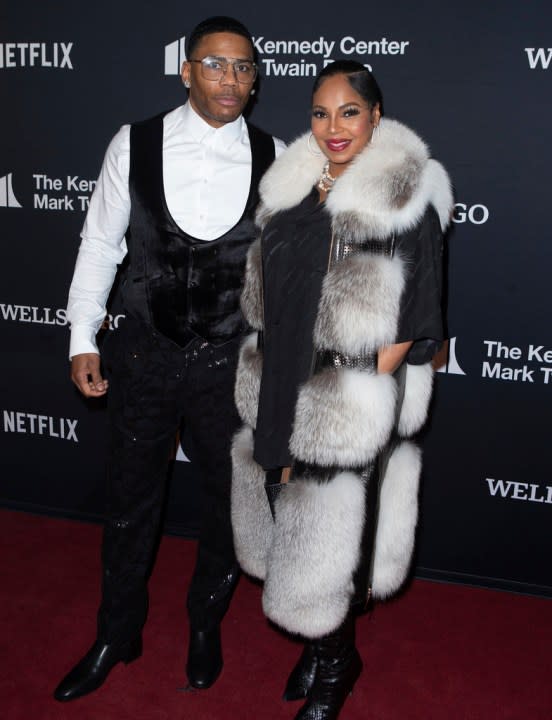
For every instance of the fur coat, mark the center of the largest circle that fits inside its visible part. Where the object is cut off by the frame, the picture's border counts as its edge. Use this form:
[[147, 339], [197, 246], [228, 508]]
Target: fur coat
[[344, 415]]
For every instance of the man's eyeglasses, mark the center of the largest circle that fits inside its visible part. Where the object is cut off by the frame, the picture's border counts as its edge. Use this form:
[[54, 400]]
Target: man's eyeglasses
[[215, 68]]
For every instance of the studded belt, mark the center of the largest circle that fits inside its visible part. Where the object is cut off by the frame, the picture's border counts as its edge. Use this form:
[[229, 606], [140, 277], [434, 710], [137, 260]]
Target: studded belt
[[332, 358]]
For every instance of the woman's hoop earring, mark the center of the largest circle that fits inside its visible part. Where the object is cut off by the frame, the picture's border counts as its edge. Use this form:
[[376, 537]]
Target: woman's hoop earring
[[313, 152]]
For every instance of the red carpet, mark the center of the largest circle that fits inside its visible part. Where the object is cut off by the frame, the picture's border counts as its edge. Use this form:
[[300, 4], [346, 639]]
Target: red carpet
[[441, 652]]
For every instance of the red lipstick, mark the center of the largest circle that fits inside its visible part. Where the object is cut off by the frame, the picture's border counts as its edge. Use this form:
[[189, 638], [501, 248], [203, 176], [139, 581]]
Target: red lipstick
[[337, 144]]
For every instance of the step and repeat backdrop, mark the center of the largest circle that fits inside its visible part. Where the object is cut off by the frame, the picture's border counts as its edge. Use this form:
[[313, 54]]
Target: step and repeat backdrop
[[473, 79]]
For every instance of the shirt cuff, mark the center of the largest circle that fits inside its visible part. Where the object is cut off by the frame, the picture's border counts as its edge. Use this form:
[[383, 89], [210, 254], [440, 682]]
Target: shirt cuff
[[83, 340]]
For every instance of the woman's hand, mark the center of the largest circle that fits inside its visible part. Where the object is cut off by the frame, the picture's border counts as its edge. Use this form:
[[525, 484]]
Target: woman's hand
[[391, 356]]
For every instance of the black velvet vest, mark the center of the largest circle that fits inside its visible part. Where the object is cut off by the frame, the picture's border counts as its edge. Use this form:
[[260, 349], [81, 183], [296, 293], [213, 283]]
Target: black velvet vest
[[183, 287]]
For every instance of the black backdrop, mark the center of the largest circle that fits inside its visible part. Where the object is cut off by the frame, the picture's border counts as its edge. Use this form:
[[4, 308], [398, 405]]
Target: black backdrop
[[472, 78]]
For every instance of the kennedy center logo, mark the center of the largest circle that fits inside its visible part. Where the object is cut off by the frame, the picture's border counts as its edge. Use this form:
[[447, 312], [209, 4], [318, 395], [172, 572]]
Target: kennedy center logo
[[7, 197], [301, 57], [181, 455], [175, 55], [446, 361]]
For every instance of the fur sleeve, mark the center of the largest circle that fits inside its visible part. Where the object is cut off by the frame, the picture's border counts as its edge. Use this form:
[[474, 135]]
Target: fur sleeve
[[252, 295]]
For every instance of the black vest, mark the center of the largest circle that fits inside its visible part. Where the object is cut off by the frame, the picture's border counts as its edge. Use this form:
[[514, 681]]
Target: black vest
[[183, 287]]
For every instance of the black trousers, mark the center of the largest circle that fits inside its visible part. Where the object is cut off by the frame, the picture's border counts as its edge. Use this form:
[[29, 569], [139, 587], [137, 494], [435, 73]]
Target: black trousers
[[154, 387]]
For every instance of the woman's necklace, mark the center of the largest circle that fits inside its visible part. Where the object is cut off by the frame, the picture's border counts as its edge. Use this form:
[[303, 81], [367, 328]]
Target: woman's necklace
[[326, 181]]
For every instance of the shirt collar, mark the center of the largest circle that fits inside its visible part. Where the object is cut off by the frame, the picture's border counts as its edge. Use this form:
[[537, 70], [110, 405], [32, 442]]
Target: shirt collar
[[204, 133]]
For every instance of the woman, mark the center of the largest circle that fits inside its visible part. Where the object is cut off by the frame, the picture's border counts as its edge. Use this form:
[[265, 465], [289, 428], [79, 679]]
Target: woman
[[343, 292]]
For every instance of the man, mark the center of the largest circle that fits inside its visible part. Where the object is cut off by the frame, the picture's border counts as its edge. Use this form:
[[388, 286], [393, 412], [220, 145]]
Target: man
[[183, 187]]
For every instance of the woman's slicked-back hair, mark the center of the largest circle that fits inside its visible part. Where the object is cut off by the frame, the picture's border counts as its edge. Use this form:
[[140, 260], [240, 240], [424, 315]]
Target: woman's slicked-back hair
[[215, 24], [359, 77]]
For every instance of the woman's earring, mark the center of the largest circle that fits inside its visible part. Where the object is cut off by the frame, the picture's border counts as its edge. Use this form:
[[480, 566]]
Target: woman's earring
[[186, 83], [375, 133], [253, 92], [313, 152]]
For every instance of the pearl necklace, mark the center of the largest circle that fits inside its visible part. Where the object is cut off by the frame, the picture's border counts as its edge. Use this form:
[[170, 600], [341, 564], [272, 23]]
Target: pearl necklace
[[326, 181]]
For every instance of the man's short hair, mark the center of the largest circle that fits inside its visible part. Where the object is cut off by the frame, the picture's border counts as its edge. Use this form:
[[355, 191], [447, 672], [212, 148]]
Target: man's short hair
[[215, 24]]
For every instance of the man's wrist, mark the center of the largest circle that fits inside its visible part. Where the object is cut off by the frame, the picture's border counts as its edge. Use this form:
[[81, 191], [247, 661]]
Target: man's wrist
[[83, 340]]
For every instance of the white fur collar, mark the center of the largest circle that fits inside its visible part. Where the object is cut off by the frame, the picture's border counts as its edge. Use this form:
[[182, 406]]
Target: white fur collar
[[388, 185]]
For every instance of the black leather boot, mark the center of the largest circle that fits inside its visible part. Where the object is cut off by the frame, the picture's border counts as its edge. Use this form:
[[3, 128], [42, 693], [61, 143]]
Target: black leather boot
[[339, 666], [204, 657], [302, 676], [95, 666], [205, 662]]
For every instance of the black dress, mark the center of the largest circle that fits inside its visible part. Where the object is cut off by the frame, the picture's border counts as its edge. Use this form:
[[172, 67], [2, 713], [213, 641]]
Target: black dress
[[295, 254]]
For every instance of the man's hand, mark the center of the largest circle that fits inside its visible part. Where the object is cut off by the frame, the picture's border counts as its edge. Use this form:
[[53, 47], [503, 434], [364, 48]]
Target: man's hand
[[85, 373]]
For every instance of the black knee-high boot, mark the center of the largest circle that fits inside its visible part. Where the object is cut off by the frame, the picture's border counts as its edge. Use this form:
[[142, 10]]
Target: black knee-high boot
[[338, 668]]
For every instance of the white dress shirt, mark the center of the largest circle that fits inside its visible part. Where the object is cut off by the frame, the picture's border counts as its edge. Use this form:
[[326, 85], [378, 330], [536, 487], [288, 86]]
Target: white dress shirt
[[206, 178]]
